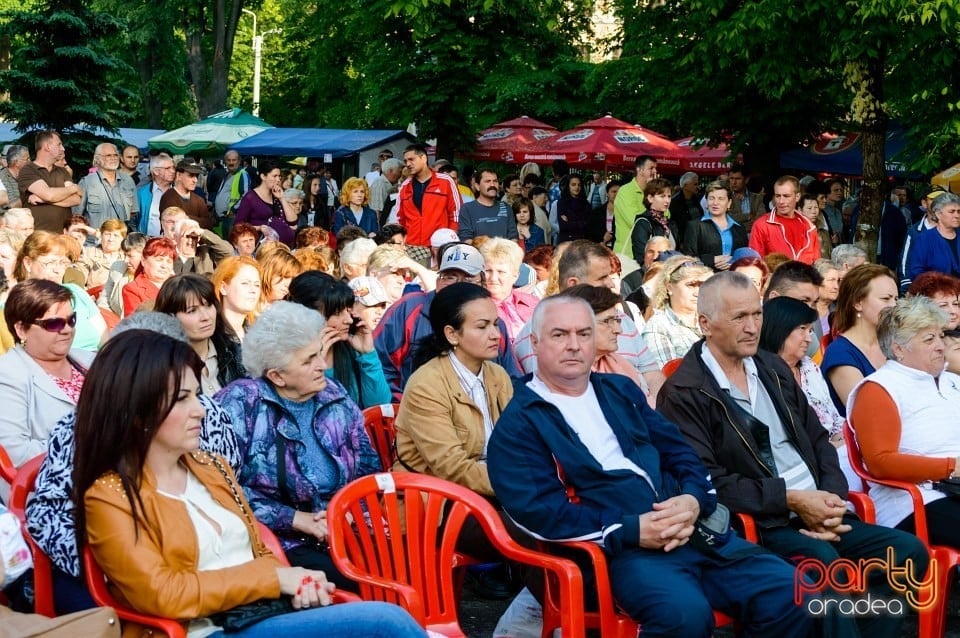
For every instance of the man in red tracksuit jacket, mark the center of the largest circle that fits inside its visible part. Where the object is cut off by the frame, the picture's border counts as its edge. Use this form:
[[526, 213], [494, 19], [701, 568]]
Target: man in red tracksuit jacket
[[427, 200]]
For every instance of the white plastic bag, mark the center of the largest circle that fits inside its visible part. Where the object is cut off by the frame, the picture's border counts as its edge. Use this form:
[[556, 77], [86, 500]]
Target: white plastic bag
[[13, 548], [522, 619]]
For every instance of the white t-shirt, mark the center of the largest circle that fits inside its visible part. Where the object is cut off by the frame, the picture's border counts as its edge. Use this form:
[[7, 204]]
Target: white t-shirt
[[586, 419]]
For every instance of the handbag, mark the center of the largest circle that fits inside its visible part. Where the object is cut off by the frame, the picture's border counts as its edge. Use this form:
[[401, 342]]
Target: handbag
[[949, 486], [242, 616], [101, 622]]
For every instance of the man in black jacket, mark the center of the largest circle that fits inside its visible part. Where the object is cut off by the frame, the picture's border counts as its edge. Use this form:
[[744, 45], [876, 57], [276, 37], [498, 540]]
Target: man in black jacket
[[769, 457]]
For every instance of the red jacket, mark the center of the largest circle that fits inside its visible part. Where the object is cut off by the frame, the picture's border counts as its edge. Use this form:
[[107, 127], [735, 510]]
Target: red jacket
[[440, 208], [137, 292], [769, 236]]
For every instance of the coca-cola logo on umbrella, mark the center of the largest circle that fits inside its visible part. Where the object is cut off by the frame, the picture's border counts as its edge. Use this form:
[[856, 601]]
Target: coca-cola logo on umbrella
[[496, 134], [837, 144], [579, 136], [624, 136]]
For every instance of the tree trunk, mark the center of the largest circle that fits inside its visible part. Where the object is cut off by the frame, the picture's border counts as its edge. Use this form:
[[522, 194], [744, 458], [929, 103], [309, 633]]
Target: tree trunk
[[209, 76], [865, 78], [152, 105]]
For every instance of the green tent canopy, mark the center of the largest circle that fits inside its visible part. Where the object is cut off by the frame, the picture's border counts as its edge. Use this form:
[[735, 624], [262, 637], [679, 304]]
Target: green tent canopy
[[212, 135]]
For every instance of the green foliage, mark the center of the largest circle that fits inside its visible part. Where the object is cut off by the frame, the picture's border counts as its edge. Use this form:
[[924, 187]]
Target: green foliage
[[59, 68]]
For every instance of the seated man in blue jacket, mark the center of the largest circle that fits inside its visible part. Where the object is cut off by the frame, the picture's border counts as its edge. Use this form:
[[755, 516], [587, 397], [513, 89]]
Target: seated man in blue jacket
[[641, 490]]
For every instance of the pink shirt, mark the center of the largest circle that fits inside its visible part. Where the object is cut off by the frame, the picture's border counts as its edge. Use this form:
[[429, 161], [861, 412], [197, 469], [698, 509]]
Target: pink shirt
[[515, 311]]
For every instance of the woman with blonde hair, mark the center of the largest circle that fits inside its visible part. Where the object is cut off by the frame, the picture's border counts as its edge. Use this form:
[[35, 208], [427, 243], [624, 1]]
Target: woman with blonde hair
[[45, 255], [277, 270], [236, 282], [502, 259], [673, 328], [9, 247], [355, 209]]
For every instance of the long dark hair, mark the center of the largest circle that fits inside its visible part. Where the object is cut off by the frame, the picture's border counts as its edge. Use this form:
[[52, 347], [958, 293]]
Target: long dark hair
[[328, 296], [781, 316], [446, 309], [175, 295], [119, 413]]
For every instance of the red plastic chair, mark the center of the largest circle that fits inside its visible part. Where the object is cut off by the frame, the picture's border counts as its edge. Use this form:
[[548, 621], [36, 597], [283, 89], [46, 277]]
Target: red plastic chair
[[379, 423], [7, 469], [97, 584], [671, 366], [20, 489], [407, 557], [931, 621]]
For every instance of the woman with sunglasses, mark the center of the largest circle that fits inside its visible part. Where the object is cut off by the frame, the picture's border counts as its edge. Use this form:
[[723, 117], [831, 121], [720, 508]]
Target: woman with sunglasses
[[41, 377], [673, 328]]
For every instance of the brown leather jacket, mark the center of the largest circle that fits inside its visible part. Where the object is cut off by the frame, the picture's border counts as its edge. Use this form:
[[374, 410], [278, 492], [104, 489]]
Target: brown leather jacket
[[439, 428], [155, 571]]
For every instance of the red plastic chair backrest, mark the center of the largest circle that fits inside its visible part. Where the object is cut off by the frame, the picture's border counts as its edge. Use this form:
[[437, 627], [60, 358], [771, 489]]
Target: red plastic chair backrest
[[97, 584], [671, 366], [7, 469], [273, 543], [20, 489], [403, 547], [379, 423]]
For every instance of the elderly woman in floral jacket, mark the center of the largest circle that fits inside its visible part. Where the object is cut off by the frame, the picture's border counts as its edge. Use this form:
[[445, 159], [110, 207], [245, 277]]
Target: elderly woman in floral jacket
[[292, 411]]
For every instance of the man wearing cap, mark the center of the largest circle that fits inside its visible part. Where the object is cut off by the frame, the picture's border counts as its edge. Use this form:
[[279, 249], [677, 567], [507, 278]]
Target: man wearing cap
[[408, 320], [370, 300], [108, 193], [182, 195]]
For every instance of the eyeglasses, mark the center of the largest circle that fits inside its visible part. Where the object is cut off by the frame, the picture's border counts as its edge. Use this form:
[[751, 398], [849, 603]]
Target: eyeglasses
[[56, 324], [53, 263], [455, 277], [612, 321]]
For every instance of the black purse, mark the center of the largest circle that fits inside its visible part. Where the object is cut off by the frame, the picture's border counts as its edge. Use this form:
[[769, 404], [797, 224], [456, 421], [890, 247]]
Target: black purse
[[243, 616], [949, 486]]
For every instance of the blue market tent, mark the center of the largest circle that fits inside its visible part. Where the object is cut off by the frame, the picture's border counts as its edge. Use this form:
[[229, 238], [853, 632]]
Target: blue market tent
[[317, 142], [843, 154]]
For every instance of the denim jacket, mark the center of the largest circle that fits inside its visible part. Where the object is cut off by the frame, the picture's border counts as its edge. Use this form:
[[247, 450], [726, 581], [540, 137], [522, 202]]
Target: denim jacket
[[258, 418]]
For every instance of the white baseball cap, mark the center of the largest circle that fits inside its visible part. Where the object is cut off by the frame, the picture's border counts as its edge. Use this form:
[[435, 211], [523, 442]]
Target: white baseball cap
[[368, 291], [464, 258], [442, 237]]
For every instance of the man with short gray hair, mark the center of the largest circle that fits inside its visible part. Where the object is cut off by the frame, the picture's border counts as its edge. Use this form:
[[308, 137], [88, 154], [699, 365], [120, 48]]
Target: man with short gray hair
[[750, 422], [148, 195], [384, 186], [640, 491], [937, 249], [17, 157], [847, 256], [108, 193], [685, 205]]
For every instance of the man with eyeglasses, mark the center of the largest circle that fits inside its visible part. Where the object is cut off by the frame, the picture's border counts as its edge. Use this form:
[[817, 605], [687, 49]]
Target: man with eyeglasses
[[408, 320], [108, 193], [45, 187], [148, 195]]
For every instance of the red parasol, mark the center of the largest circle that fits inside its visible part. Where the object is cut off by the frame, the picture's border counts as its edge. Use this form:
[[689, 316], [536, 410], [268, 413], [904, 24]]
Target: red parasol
[[602, 143], [704, 160], [505, 139]]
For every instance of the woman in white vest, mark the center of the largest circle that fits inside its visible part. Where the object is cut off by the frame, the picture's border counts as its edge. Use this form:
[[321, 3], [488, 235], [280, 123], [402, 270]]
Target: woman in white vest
[[905, 418]]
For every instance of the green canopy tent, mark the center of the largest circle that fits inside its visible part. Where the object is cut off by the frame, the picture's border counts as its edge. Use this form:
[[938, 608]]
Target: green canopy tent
[[212, 135]]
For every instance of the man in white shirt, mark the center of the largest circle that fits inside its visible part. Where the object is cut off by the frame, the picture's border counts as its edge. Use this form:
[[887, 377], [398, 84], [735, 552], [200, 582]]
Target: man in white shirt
[[639, 489]]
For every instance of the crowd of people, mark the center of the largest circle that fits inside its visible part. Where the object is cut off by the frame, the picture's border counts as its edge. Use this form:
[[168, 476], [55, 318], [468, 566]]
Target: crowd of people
[[197, 355]]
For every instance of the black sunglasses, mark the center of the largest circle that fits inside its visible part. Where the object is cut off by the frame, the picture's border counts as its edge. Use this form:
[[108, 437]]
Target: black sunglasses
[[56, 324]]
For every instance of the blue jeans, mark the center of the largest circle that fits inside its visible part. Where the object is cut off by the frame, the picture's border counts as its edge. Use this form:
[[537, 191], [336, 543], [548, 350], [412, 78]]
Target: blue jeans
[[368, 619]]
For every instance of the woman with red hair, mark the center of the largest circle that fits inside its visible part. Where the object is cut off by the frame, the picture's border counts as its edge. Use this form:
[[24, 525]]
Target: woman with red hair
[[156, 267], [944, 290]]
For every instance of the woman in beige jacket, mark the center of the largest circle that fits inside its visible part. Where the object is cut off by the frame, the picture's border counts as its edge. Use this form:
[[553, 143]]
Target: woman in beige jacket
[[455, 397]]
